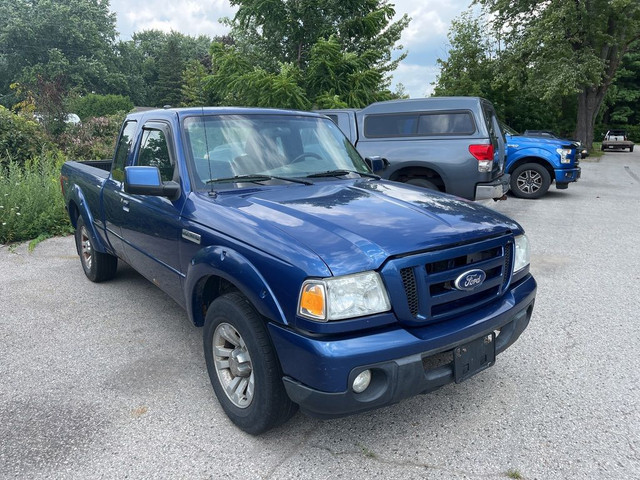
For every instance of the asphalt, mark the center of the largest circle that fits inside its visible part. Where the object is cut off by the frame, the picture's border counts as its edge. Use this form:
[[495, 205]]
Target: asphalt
[[108, 380]]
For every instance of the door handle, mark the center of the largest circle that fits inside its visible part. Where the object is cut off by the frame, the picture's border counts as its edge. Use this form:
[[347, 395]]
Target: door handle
[[125, 204]]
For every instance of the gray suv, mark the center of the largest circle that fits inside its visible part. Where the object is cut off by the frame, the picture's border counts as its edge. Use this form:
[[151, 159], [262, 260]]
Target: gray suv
[[451, 144]]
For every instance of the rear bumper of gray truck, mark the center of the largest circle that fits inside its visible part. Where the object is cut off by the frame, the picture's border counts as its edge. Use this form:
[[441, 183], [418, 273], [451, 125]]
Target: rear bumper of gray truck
[[495, 189]]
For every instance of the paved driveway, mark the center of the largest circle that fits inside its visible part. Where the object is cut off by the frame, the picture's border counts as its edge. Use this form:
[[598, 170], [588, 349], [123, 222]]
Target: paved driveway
[[108, 380]]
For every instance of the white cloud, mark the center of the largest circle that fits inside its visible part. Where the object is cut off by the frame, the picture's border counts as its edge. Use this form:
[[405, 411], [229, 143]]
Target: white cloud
[[187, 16], [416, 79]]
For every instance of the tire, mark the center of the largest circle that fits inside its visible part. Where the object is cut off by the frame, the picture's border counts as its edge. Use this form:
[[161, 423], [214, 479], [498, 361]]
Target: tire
[[243, 367], [422, 182], [97, 266], [631, 149], [530, 180]]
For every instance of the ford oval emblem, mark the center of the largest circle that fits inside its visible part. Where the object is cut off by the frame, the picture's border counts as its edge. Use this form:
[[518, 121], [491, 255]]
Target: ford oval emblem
[[470, 279]]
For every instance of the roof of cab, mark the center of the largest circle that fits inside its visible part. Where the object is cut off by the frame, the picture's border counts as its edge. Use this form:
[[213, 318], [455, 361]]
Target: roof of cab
[[165, 113]]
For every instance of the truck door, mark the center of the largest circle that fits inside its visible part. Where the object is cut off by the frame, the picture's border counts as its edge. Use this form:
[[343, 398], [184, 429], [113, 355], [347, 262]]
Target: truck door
[[113, 188], [151, 225]]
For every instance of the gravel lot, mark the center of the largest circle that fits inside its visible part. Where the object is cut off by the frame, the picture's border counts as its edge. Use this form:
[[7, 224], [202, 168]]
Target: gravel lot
[[108, 380]]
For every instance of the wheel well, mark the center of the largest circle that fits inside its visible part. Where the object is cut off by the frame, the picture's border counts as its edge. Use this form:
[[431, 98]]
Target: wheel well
[[539, 161], [405, 174], [74, 213], [205, 292]]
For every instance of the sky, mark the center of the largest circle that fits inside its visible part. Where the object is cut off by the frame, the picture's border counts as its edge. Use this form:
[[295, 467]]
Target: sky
[[425, 39]]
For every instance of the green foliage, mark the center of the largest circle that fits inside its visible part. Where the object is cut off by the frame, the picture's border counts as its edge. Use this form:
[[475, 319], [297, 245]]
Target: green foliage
[[193, 89], [341, 51], [31, 204], [564, 48], [470, 67], [44, 38], [21, 138], [95, 105], [94, 139], [154, 61]]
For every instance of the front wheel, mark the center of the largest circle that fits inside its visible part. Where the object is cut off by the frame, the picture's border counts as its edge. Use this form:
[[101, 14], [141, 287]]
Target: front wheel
[[243, 367], [97, 266], [530, 180], [631, 148]]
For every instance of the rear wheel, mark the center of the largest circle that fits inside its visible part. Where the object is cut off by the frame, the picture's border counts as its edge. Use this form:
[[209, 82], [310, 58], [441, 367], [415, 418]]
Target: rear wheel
[[530, 180], [422, 182], [97, 266], [243, 367]]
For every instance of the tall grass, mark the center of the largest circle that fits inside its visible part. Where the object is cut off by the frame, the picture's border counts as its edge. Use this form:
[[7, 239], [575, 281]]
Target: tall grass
[[31, 204]]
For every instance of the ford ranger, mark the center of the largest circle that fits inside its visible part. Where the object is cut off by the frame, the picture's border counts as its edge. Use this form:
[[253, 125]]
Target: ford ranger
[[319, 285]]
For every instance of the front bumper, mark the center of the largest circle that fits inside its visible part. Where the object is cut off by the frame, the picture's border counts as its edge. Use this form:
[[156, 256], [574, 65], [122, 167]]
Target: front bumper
[[403, 364], [567, 175], [495, 189]]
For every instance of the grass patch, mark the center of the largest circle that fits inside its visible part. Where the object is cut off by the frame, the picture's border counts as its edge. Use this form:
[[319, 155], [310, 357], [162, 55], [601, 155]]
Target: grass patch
[[31, 203], [367, 452], [513, 473]]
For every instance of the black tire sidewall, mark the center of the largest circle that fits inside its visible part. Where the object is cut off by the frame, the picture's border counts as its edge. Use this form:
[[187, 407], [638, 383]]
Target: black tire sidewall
[[546, 180], [262, 414], [422, 182], [89, 272]]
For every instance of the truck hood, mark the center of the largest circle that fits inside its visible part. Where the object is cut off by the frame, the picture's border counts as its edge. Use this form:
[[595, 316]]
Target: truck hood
[[523, 141], [355, 225]]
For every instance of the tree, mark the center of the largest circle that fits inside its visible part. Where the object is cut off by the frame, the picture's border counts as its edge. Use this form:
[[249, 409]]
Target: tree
[[304, 53], [170, 67], [567, 47], [470, 67], [77, 33]]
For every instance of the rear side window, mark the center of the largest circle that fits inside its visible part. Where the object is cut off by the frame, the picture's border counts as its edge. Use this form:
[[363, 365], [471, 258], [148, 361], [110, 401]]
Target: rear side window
[[491, 121], [123, 150], [419, 124], [154, 152]]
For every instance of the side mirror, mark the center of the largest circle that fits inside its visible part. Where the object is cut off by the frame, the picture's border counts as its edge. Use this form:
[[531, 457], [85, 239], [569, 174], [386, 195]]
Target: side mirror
[[147, 181], [376, 163]]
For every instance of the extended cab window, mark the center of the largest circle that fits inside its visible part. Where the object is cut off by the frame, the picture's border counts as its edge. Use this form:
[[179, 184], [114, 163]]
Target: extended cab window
[[154, 152], [419, 124], [455, 123], [123, 150]]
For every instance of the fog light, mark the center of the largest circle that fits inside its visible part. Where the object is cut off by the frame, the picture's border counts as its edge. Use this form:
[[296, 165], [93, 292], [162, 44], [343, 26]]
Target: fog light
[[362, 381]]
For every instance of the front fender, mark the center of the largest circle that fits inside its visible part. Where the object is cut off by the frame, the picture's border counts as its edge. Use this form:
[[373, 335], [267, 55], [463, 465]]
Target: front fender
[[532, 152], [233, 267], [76, 196]]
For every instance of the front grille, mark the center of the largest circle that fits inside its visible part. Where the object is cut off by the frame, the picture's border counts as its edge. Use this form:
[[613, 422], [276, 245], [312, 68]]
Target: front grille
[[409, 282], [428, 280]]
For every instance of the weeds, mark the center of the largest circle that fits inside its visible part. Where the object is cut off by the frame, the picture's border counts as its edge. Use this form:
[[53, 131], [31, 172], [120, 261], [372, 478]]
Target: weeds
[[31, 204]]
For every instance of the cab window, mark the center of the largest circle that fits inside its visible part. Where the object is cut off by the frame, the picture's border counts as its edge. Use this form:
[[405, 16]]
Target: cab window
[[154, 152]]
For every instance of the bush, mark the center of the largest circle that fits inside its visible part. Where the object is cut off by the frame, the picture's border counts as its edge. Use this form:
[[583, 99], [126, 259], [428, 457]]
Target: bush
[[21, 139], [94, 105], [94, 139], [31, 203]]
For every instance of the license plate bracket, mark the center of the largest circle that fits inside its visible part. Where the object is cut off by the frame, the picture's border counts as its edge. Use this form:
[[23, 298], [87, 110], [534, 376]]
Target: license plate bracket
[[473, 357]]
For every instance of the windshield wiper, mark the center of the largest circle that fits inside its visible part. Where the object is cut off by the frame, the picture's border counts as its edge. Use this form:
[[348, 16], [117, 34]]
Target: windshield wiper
[[256, 179], [340, 173]]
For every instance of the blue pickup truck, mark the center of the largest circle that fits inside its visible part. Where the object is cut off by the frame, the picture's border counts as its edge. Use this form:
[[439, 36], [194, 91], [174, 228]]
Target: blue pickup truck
[[319, 285], [535, 162]]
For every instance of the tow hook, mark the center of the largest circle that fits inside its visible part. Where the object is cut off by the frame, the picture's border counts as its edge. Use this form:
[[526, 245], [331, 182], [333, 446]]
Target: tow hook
[[503, 197]]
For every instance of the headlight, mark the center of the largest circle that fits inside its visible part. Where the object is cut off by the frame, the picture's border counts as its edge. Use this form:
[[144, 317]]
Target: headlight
[[564, 154], [522, 253], [338, 298]]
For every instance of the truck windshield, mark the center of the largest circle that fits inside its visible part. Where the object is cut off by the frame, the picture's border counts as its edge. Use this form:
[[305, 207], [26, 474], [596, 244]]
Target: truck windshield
[[508, 130], [223, 147]]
